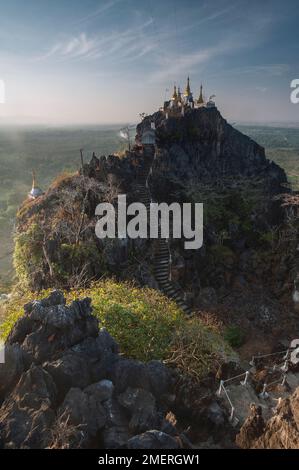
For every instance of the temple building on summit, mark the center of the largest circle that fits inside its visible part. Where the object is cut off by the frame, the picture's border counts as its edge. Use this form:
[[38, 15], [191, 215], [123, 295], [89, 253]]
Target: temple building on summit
[[179, 103], [149, 136]]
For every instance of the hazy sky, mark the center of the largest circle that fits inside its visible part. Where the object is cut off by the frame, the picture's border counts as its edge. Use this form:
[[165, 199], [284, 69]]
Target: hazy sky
[[99, 61]]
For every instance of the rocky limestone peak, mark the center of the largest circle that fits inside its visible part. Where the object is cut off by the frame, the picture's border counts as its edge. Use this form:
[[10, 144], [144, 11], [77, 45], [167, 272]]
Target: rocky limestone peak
[[202, 144]]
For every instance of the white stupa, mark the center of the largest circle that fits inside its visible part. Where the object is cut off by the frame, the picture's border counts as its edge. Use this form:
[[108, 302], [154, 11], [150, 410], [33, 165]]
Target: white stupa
[[35, 191]]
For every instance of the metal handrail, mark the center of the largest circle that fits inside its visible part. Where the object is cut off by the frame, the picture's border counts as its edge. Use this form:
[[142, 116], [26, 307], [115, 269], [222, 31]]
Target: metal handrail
[[268, 355], [235, 377], [222, 387], [227, 396], [264, 393]]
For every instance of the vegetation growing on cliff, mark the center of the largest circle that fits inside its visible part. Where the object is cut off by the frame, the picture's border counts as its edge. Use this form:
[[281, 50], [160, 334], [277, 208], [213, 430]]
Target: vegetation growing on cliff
[[145, 324], [49, 151], [28, 254]]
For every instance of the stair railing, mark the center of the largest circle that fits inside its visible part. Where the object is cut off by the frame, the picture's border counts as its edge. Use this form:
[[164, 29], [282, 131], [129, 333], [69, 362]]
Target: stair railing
[[282, 380], [225, 391], [261, 356], [169, 263], [284, 366], [159, 221]]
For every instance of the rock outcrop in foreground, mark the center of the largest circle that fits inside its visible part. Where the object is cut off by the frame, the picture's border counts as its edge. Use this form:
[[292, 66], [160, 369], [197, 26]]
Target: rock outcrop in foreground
[[64, 385], [279, 432]]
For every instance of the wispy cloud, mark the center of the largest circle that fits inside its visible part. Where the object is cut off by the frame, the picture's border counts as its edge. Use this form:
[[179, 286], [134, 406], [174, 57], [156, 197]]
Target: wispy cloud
[[187, 63], [229, 41], [129, 44], [261, 89], [212, 15], [274, 70], [146, 39], [265, 70], [99, 11], [74, 47]]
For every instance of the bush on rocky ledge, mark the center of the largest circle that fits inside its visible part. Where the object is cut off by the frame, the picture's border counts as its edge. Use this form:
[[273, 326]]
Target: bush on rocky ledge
[[145, 324]]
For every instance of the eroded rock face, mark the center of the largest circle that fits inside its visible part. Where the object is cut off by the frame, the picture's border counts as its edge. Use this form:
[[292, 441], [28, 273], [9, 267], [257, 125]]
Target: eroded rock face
[[252, 429], [196, 152], [11, 370], [142, 406], [64, 384], [279, 432], [49, 327], [203, 144], [28, 412]]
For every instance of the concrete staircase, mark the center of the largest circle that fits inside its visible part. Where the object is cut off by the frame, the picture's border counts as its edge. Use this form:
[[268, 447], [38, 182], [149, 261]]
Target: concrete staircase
[[162, 275], [162, 264], [242, 396]]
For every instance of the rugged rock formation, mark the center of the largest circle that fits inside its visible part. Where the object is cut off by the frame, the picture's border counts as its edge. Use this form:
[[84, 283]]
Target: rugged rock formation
[[252, 429], [65, 385], [199, 158], [280, 432], [203, 146], [245, 270]]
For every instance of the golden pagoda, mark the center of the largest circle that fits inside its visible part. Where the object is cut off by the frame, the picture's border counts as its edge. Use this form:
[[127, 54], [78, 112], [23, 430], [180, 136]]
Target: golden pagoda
[[200, 100], [179, 95], [188, 89], [175, 95], [182, 102]]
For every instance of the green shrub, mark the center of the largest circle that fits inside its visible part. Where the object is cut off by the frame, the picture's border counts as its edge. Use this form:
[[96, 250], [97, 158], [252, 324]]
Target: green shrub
[[146, 325], [80, 253], [222, 254], [28, 254], [141, 320], [268, 237], [197, 349], [234, 336]]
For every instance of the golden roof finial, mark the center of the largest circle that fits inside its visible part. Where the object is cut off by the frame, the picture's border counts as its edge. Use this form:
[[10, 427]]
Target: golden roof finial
[[188, 89], [200, 99]]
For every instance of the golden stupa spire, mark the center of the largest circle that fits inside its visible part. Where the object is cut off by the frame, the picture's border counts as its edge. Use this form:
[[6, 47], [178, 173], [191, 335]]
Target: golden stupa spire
[[188, 89], [179, 95], [200, 99], [174, 96]]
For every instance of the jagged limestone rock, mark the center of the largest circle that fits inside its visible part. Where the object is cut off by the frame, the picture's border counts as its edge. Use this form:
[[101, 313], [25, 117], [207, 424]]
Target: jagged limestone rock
[[64, 379]]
